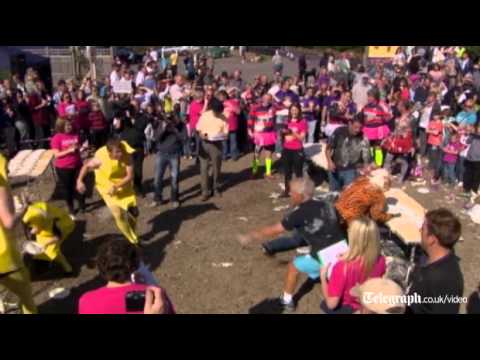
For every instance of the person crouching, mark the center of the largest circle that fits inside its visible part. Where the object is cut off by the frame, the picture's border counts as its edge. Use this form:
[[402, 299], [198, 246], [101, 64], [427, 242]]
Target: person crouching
[[51, 227]]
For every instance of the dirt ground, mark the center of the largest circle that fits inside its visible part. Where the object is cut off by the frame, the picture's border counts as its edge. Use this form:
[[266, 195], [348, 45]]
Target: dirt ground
[[185, 246]]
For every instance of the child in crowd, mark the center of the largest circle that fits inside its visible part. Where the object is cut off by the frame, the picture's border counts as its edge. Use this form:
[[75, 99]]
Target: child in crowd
[[400, 147], [450, 158], [434, 141]]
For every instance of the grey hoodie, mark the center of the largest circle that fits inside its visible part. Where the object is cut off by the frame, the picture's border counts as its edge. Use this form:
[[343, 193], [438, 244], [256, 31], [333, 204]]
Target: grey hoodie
[[474, 150]]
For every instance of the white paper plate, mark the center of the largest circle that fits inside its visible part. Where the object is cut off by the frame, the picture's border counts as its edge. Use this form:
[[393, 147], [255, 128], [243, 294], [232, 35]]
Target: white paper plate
[[32, 248], [59, 293], [423, 190]]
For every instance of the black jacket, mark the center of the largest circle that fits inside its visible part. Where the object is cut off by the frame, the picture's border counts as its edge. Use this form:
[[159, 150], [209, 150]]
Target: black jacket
[[169, 137]]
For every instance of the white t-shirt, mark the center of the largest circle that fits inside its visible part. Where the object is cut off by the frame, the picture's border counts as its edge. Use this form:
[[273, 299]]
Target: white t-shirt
[[425, 118], [114, 77], [154, 55], [140, 79]]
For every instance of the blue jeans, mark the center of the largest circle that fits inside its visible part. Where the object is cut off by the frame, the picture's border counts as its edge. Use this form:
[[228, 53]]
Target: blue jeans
[[285, 243], [449, 173], [312, 125], [435, 158], [161, 163], [232, 139], [340, 179], [193, 140]]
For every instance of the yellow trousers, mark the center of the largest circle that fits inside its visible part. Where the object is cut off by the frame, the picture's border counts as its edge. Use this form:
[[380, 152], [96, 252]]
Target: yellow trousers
[[59, 259], [125, 222], [18, 283]]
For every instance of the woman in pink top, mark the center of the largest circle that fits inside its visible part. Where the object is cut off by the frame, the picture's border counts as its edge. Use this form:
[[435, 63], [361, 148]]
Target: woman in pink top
[[66, 109], [197, 107], [65, 145], [292, 155], [118, 261], [362, 261]]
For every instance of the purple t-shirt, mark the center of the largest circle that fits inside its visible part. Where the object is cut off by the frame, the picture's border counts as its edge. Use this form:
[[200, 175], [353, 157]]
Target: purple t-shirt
[[450, 158], [323, 80], [281, 95], [310, 116]]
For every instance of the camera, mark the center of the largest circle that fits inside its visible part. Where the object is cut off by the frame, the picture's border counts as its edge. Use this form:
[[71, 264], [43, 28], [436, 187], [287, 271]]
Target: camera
[[135, 301]]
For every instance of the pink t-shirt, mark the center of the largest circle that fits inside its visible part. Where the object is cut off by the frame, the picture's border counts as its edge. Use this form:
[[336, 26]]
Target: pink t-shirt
[[195, 112], [232, 108], [62, 142], [292, 143], [110, 301], [344, 279]]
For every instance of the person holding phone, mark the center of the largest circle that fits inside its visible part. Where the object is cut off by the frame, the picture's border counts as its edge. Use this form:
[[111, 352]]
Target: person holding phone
[[117, 262]]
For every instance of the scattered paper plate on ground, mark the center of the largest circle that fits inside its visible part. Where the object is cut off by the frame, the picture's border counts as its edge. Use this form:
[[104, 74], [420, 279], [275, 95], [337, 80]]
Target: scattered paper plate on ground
[[222, 265], [59, 293], [274, 195], [474, 214], [243, 218], [423, 190], [32, 248], [281, 208], [282, 186]]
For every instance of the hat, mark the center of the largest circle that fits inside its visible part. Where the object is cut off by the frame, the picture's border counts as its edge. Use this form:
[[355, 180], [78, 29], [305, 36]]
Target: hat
[[381, 296]]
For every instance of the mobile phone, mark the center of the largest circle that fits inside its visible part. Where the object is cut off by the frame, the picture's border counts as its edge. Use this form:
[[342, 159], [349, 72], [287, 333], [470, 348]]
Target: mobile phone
[[135, 301]]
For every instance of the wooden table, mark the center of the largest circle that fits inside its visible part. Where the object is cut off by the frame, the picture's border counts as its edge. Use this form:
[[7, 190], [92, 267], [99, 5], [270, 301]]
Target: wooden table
[[35, 169], [408, 226]]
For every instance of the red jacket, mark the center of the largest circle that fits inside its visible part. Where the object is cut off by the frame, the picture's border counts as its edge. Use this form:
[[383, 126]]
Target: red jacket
[[97, 120], [40, 116], [399, 144], [81, 120]]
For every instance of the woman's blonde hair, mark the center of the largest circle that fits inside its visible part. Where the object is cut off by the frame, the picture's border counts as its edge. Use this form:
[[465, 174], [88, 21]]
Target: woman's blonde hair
[[364, 243]]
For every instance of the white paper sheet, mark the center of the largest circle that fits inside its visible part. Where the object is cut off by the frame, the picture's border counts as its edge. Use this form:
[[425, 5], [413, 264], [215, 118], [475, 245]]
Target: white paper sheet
[[330, 254]]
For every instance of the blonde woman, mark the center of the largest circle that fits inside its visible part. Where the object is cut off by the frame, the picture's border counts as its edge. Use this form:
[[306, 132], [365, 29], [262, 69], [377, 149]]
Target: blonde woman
[[363, 261]]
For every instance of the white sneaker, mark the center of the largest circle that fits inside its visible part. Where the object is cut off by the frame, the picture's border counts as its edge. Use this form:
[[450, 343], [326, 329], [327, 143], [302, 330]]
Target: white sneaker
[[279, 155]]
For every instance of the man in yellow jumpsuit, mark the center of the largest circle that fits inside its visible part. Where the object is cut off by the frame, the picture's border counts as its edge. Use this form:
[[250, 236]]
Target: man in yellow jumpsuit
[[51, 226], [113, 179], [13, 274]]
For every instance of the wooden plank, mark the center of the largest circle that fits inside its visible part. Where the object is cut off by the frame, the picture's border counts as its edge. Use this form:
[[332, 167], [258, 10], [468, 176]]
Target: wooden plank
[[408, 226]]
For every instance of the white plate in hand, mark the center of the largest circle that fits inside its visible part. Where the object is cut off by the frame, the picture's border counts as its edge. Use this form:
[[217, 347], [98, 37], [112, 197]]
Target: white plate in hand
[[32, 248]]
